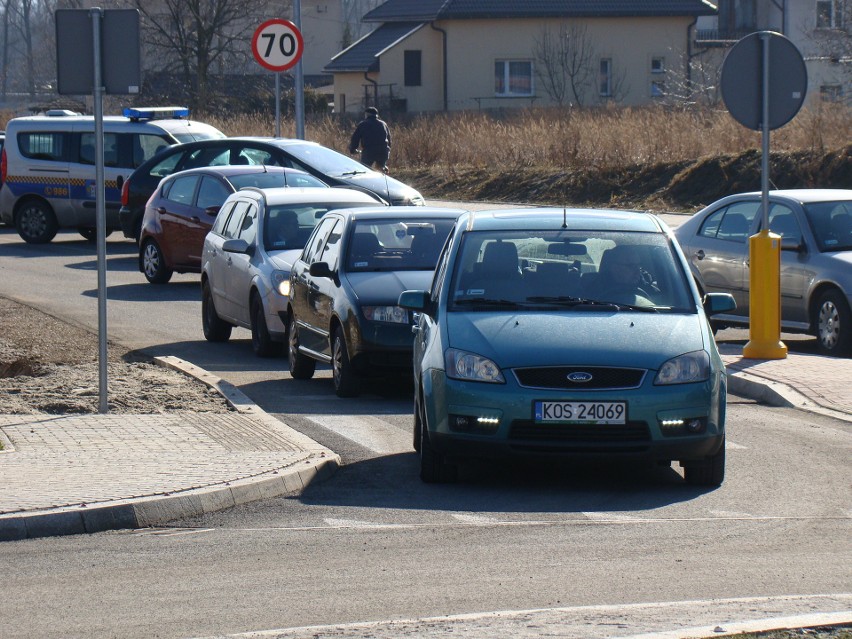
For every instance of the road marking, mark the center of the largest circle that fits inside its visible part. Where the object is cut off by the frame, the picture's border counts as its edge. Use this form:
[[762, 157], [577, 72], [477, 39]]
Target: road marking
[[663, 620], [609, 517], [729, 445], [367, 431], [476, 520], [170, 532]]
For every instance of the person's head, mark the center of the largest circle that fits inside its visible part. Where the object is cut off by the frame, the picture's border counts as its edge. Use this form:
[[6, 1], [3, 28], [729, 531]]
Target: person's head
[[621, 266], [372, 112], [287, 226]]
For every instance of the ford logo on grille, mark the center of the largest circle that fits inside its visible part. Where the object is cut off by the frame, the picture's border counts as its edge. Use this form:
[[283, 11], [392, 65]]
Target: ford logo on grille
[[580, 378]]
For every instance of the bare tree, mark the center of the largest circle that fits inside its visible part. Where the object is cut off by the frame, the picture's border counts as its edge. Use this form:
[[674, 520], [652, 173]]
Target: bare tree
[[190, 37], [565, 62]]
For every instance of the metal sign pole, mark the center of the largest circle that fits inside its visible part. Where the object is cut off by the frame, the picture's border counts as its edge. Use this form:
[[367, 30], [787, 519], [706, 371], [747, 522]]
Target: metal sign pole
[[300, 78], [764, 178], [277, 105], [100, 211]]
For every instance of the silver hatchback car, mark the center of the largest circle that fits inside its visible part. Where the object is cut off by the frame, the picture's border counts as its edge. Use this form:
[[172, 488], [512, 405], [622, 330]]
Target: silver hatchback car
[[248, 254], [816, 258]]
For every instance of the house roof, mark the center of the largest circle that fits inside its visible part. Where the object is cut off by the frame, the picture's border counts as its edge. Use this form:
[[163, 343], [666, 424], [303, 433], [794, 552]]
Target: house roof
[[363, 55], [427, 10]]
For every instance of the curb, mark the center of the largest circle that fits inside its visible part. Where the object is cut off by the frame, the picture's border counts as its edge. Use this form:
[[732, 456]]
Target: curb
[[774, 393], [317, 463]]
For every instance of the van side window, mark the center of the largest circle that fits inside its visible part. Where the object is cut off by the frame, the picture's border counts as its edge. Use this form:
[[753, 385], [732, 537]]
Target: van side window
[[87, 149], [44, 146]]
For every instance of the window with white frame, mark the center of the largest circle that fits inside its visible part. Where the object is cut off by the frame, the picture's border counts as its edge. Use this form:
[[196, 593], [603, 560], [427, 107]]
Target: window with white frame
[[605, 78], [658, 65], [831, 92], [829, 14], [513, 78]]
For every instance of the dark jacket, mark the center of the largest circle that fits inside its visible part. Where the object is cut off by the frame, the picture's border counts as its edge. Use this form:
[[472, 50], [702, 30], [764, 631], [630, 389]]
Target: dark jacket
[[374, 138]]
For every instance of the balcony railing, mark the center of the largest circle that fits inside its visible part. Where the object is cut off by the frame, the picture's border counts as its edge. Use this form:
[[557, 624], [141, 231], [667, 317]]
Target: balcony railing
[[720, 37]]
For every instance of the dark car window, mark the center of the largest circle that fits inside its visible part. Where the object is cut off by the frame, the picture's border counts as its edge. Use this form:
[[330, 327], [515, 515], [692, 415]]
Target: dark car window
[[331, 251], [783, 221], [207, 156], [259, 156], [248, 225], [222, 219], [182, 189], [212, 192], [412, 244], [232, 229], [273, 179], [732, 223], [166, 166], [831, 223], [317, 239]]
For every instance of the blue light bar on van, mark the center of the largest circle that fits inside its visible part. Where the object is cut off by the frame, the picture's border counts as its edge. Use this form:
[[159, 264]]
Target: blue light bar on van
[[156, 113]]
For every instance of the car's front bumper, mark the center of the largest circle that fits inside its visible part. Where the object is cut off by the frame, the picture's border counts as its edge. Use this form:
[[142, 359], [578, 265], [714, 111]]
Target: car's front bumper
[[508, 427]]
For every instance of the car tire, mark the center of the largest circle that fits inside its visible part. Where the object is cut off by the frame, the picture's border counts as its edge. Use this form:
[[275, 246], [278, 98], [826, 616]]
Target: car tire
[[434, 468], [153, 263], [261, 341], [417, 425], [215, 328], [706, 472], [36, 223], [91, 233], [342, 372], [301, 366], [833, 324]]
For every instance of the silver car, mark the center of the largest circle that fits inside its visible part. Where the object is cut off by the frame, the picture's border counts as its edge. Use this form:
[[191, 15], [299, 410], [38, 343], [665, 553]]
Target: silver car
[[247, 256], [816, 258]]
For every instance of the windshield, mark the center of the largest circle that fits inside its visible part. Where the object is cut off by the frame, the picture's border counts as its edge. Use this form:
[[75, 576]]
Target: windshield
[[580, 270], [325, 160], [831, 223], [288, 226], [412, 244]]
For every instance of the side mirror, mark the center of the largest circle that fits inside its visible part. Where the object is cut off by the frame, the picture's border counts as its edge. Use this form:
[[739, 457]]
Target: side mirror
[[321, 269], [414, 300], [119, 182], [238, 246], [792, 244], [719, 303], [212, 211]]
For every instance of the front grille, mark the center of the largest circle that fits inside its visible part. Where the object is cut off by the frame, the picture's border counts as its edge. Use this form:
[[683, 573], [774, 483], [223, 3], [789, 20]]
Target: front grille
[[630, 437], [556, 377]]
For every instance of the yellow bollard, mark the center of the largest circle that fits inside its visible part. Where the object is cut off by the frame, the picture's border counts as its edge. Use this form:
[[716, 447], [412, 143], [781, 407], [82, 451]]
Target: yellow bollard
[[764, 298]]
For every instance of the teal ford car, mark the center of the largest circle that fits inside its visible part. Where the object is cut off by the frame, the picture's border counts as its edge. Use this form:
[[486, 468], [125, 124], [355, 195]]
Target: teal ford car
[[566, 333]]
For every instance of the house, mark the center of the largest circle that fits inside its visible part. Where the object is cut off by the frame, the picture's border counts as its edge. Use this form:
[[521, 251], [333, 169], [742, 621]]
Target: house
[[447, 55], [820, 29]]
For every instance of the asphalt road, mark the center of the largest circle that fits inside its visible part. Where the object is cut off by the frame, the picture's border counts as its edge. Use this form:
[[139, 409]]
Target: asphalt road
[[374, 544]]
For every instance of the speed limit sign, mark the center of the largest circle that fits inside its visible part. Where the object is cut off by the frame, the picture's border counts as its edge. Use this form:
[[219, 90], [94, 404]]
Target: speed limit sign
[[277, 44]]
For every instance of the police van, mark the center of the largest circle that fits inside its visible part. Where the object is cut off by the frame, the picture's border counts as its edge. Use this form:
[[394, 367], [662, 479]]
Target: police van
[[47, 166]]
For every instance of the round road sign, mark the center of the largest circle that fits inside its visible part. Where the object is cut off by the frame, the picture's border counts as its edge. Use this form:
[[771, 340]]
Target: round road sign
[[742, 80], [277, 44]]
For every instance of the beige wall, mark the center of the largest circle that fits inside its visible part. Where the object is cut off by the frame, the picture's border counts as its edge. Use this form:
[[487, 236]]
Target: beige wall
[[322, 30], [474, 45]]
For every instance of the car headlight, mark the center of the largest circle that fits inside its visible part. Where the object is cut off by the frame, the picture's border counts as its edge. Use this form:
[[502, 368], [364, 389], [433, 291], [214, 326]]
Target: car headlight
[[391, 314], [684, 369], [471, 367], [281, 282]]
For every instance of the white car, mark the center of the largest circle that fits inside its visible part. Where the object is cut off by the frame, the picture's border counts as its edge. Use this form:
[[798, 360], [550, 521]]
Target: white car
[[248, 254]]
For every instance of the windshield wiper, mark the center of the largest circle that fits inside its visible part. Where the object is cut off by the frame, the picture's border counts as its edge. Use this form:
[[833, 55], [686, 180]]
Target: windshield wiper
[[484, 301], [353, 172], [572, 302]]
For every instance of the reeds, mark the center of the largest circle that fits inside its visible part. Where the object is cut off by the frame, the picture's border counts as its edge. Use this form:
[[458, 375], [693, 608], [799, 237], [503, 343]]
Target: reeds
[[567, 139]]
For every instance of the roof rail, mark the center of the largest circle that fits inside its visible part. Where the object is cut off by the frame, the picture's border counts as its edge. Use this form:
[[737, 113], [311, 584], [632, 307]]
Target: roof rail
[[258, 190], [155, 113]]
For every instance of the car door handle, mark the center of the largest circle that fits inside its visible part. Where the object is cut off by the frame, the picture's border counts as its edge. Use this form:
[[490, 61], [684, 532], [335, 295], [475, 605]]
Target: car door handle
[[161, 210], [699, 254], [195, 219]]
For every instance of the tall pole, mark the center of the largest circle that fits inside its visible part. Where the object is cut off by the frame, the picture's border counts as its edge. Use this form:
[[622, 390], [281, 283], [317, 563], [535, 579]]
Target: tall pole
[[100, 210], [300, 78]]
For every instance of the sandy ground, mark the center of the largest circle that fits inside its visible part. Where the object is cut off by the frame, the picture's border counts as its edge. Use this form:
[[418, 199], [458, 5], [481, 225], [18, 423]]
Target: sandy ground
[[50, 367]]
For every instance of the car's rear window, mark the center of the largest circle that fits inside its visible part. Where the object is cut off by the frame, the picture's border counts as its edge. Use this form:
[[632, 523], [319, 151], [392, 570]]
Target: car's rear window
[[410, 244]]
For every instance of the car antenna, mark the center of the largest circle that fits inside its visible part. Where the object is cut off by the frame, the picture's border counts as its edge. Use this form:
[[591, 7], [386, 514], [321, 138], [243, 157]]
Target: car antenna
[[285, 179], [564, 217]]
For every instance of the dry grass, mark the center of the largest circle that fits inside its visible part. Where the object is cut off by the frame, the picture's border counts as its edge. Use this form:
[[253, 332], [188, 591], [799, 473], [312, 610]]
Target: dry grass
[[602, 139]]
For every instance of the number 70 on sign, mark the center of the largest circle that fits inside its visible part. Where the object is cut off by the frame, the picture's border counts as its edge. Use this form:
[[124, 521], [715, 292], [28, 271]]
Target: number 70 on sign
[[277, 44]]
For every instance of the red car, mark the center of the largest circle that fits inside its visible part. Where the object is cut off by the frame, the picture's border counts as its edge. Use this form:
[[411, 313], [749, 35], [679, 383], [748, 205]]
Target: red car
[[183, 208]]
